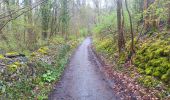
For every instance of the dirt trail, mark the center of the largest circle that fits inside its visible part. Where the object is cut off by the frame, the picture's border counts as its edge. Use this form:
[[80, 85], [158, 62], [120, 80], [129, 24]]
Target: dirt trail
[[82, 80]]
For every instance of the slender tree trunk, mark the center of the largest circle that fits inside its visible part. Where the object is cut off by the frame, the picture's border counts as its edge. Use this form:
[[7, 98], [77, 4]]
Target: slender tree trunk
[[146, 21], [31, 34], [121, 40], [65, 18], [150, 19], [168, 21], [131, 28]]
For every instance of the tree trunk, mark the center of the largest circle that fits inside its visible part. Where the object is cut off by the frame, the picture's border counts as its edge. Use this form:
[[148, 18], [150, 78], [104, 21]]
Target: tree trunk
[[150, 19], [168, 21], [146, 17], [31, 35], [131, 28], [45, 14], [121, 40], [44, 35]]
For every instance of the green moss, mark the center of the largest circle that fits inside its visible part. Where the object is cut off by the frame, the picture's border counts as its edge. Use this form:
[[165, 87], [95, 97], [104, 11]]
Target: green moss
[[12, 53], [153, 57], [161, 69], [12, 68], [43, 50], [159, 51], [156, 74], [165, 65], [33, 54], [148, 70], [166, 51], [155, 62], [18, 64], [141, 71], [148, 81], [122, 58], [165, 78], [1, 57]]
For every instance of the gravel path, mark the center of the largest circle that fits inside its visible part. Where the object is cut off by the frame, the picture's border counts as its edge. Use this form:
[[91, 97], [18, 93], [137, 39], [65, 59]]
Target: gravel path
[[82, 80]]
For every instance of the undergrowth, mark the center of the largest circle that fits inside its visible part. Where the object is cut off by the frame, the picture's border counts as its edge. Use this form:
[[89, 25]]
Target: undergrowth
[[151, 60], [35, 78]]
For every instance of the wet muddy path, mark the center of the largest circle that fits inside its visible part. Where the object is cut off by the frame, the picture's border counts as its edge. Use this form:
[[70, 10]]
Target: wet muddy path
[[82, 80]]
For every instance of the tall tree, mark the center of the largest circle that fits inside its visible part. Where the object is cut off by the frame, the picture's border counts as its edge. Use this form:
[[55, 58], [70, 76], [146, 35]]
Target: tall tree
[[168, 21], [31, 35], [64, 18], [120, 24], [54, 20], [131, 28], [149, 15], [45, 13], [97, 8], [146, 22]]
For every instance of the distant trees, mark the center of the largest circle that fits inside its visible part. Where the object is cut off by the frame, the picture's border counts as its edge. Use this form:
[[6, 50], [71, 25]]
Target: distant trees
[[54, 25], [147, 13], [151, 14], [26, 23], [97, 8], [30, 21]]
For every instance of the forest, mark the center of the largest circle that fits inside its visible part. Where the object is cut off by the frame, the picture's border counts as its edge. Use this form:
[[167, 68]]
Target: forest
[[84, 49]]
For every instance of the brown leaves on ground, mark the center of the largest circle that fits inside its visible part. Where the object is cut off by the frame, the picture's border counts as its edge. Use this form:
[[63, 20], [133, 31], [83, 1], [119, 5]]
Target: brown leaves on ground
[[126, 87]]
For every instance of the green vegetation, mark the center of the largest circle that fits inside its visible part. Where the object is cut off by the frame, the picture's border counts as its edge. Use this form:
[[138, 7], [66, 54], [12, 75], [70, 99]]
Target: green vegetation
[[152, 58], [2, 57], [36, 41], [105, 46], [144, 49], [148, 81], [38, 36], [35, 78]]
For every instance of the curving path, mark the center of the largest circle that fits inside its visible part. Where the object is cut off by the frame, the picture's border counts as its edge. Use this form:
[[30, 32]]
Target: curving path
[[82, 80]]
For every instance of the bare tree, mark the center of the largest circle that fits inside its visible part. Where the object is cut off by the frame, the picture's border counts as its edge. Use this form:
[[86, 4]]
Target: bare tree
[[31, 34], [131, 28], [168, 21], [97, 7], [120, 23]]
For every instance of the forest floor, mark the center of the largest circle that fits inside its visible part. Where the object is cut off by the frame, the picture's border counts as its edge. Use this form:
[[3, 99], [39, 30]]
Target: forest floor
[[82, 79]]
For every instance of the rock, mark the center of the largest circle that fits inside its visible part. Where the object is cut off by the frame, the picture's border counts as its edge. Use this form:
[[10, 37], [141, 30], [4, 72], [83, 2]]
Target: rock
[[2, 64], [14, 55]]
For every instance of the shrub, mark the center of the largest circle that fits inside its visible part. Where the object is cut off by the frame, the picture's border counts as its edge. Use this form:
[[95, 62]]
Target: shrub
[[105, 46]]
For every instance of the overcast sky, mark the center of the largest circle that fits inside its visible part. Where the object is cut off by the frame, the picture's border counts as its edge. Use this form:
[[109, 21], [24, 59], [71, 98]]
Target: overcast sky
[[90, 2], [102, 2]]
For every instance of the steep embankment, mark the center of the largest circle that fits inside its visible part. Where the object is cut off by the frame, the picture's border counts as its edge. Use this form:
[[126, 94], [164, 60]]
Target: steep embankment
[[148, 78]]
